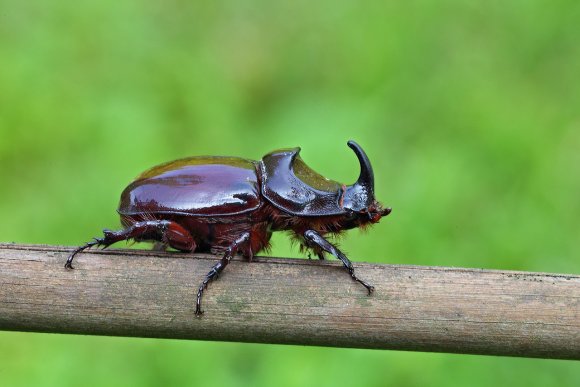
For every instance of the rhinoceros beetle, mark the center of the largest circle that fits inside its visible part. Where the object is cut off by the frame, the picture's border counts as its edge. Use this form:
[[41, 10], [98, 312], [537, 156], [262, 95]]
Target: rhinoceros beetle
[[226, 205]]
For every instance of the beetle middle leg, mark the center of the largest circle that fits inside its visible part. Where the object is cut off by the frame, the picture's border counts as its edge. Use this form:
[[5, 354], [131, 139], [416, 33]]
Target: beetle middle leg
[[318, 240], [218, 267], [165, 231]]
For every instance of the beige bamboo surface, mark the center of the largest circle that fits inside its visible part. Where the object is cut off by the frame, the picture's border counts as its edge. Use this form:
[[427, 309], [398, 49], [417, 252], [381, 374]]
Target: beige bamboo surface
[[290, 301]]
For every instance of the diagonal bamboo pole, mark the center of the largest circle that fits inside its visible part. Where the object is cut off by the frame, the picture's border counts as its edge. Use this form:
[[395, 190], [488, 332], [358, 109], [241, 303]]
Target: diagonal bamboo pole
[[291, 301]]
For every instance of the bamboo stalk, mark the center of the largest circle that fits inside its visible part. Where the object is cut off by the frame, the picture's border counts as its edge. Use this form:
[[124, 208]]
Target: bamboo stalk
[[291, 301]]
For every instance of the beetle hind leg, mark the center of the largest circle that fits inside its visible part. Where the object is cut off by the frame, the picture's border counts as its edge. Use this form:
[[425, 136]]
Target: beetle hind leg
[[168, 232], [95, 242]]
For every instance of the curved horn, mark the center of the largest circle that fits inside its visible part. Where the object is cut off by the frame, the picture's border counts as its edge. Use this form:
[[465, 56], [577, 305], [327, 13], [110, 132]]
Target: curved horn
[[366, 178]]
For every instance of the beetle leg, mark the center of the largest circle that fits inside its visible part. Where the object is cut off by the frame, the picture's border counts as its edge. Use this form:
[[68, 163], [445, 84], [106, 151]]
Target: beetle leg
[[96, 241], [316, 239], [165, 231], [218, 267]]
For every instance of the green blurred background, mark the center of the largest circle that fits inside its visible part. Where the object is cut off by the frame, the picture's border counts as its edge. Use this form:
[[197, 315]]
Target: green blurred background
[[469, 111]]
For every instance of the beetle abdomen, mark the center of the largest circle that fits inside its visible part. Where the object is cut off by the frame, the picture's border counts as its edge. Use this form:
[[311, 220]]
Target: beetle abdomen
[[197, 186]]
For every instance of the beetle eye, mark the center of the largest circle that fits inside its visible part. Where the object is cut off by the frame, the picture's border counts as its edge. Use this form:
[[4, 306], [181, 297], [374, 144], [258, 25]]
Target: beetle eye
[[350, 214]]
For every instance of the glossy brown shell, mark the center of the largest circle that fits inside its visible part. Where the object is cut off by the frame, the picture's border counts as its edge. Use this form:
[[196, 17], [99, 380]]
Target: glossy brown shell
[[195, 186], [293, 187]]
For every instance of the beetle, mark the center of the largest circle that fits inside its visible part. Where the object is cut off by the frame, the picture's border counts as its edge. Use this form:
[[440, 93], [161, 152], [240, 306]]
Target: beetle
[[230, 205]]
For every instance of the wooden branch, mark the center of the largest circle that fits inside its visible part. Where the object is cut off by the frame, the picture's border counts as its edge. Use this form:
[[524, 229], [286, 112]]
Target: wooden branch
[[291, 301]]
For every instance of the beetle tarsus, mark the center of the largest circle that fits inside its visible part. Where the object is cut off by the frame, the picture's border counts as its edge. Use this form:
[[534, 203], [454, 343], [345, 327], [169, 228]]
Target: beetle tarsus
[[95, 242], [218, 267], [370, 288], [317, 240]]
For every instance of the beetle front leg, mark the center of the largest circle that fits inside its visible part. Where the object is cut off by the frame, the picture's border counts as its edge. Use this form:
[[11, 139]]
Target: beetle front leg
[[316, 239], [218, 267]]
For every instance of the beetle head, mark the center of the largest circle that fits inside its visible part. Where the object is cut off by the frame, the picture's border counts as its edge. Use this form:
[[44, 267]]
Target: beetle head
[[359, 198]]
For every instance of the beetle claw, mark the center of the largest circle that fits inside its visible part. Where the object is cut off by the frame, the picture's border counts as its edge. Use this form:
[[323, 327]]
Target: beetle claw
[[370, 288]]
